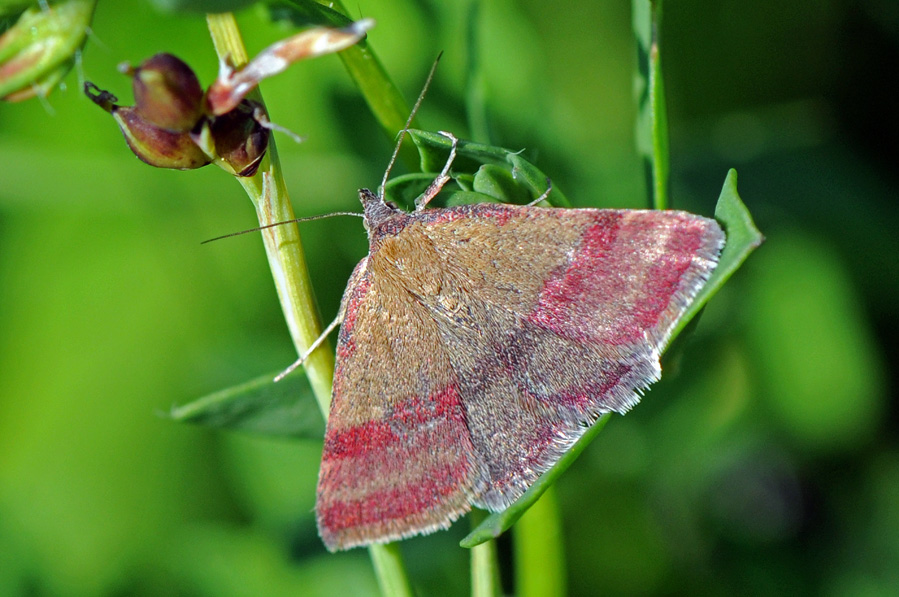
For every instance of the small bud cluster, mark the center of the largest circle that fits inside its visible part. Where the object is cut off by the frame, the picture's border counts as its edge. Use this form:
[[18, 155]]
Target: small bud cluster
[[168, 126], [175, 124]]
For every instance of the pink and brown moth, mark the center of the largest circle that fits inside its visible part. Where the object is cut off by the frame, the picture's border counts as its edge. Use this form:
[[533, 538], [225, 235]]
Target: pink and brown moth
[[479, 342]]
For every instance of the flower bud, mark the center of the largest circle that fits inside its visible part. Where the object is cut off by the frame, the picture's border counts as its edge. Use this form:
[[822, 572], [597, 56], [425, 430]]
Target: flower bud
[[39, 49], [157, 146], [167, 93], [173, 124], [152, 144], [236, 138]]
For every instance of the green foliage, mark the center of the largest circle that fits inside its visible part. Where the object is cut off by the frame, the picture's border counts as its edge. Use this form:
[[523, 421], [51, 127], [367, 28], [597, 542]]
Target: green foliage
[[763, 461], [286, 408], [516, 181], [742, 239]]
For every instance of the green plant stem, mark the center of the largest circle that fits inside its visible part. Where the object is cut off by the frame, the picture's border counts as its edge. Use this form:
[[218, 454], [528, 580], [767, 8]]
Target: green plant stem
[[539, 553], [283, 246], [390, 570], [484, 565], [476, 94], [652, 119], [383, 97], [269, 195]]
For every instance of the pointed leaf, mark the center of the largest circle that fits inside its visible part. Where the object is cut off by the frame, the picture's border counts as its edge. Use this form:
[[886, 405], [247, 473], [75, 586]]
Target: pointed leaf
[[742, 239], [284, 409]]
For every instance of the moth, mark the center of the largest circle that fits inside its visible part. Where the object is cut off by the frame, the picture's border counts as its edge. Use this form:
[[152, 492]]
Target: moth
[[477, 343]]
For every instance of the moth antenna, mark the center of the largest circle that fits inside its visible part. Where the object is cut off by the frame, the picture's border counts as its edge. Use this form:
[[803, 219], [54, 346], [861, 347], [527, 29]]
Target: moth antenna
[[318, 342], [306, 219], [399, 143]]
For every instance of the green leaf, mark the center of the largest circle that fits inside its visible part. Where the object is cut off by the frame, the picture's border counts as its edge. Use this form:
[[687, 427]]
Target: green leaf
[[742, 239], [500, 184], [285, 409], [307, 14], [488, 184], [526, 179]]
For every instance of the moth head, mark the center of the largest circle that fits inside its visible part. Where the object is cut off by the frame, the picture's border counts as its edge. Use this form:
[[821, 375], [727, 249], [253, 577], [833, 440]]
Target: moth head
[[376, 210]]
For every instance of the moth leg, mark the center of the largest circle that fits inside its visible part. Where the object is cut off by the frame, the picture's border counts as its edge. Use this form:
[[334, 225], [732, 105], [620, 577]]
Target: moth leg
[[318, 342], [549, 188], [441, 179]]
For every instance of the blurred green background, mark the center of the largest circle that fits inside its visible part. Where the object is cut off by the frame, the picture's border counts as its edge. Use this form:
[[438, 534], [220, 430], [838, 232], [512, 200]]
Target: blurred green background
[[766, 461]]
